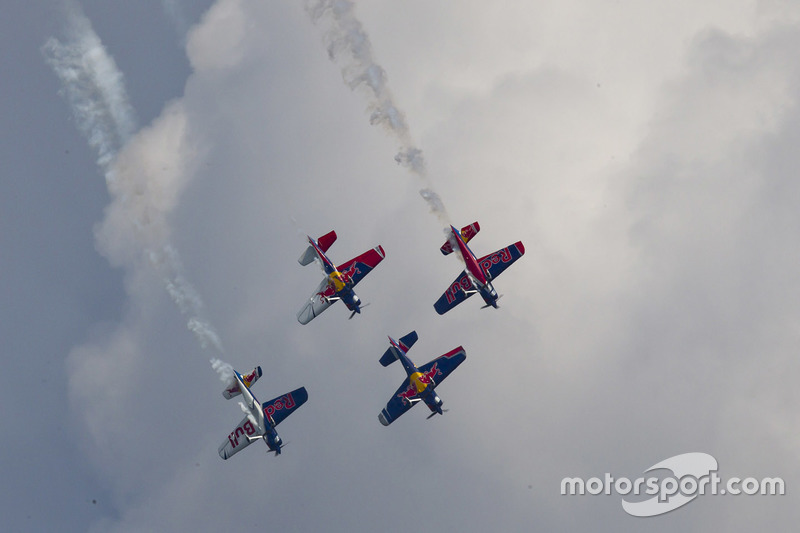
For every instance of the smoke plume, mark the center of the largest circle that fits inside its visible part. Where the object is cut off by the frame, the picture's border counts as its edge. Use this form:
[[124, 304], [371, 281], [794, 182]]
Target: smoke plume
[[144, 173], [349, 46]]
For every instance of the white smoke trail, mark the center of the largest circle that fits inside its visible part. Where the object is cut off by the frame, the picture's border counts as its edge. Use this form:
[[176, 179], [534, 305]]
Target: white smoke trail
[[95, 90], [349, 46], [225, 370]]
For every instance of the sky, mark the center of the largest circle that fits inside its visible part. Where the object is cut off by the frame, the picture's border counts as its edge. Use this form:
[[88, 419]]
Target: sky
[[164, 161]]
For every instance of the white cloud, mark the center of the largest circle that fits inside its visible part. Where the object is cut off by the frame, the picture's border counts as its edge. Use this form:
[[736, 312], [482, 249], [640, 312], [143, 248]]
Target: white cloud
[[645, 157], [216, 43]]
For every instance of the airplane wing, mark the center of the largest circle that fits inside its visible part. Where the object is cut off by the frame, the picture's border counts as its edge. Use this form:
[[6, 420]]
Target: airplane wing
[[277, 409], [404, 398], [455, 294], [441, 367], [360, 266], [495, 263], [317, 303], [237, 440]]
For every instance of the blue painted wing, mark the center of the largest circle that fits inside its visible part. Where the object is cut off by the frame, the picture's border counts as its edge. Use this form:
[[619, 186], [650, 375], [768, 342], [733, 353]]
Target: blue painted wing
[[360, 266], [455, 294], [441, 367], [495, 263], [277, 409], [404, 398]]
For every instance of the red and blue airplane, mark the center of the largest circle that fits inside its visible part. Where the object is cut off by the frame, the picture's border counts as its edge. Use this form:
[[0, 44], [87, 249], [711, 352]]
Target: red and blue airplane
[[420, 383], [478, 276], [260, 419], [339, 281]]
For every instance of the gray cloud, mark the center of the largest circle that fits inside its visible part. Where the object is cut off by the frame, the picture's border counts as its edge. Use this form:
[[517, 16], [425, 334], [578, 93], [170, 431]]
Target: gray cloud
[[652, 314]]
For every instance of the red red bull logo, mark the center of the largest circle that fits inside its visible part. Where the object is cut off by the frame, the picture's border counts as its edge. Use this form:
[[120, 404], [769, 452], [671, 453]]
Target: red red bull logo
[[327, 293], [408, 394], [247, 380], [468, 232], [350, 272], [284, 402], [424, 377], [428, 376]]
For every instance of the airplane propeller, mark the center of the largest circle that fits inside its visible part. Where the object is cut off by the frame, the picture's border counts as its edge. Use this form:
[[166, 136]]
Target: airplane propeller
[[493, 304], [436, 413], [277, 451], [357, 310]]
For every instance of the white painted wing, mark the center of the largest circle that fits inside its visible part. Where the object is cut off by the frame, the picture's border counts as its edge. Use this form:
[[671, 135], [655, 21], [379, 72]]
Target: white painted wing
[[237, 440], [315, 305]]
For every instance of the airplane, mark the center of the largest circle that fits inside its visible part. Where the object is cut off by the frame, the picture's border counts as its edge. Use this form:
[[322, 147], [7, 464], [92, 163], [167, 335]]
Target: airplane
[[478, 276], [421, 382], [260, 419], [339, 281]]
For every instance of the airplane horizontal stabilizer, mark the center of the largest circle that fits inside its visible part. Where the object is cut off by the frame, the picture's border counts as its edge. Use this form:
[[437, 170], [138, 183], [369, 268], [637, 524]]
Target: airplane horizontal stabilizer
[[388, 357], [233, 388], [467, 233], [308, 256], [409, 340]]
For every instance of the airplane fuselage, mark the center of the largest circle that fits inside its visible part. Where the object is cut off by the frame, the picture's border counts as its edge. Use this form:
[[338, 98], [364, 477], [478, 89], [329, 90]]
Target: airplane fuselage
[[423, 385], [476, 274], [265, 427], [340, 282], [273, 440]]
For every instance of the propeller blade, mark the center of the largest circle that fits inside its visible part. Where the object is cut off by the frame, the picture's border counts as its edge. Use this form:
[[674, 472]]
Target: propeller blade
[[280, 448]]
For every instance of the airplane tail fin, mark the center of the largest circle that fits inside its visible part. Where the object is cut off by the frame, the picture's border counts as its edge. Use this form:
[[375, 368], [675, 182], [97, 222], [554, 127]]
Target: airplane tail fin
[[388, 357], [467, 233], [249, 379], [409, 340], [406, 342], [323, 242], [307, 256]]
